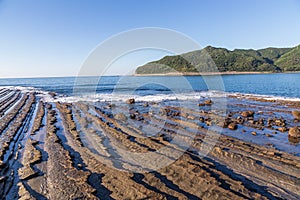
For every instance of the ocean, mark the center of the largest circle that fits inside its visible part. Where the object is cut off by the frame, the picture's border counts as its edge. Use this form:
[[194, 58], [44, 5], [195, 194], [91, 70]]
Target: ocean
[[283, 85]]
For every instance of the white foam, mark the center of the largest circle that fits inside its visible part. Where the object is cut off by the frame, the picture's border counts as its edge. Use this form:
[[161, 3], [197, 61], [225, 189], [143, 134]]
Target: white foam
[[46, 97], [266, 97], [43, 94], [147, 98]]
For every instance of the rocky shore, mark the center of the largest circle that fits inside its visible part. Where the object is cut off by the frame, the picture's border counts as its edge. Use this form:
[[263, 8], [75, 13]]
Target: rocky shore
[[81, 150]]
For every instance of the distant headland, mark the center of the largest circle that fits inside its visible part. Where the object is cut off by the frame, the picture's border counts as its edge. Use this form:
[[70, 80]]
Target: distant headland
[[224, 61]]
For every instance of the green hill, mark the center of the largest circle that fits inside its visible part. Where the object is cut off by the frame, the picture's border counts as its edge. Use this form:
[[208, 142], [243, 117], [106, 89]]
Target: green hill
[[290, 61], [273, 53], [240, 60]]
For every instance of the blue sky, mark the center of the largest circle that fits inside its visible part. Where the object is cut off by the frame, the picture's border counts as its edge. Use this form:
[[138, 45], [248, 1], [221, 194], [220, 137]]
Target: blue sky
[[53, 38]]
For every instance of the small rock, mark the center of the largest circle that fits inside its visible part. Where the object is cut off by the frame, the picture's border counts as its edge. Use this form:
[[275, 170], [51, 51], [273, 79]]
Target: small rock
[[132, 116], [49, 106], [2, 164], [140, 118], [232, 126], [270, 121], [185, 115], [53, 94], [251, 121], [253, 133], [34, 142], [270, 153], [223, 124], [120, 117], [110, 106], [269, 135], [208, 102], [240, 120], [146, 104], [261, 122], [294, 132], [190, 117], [282, 129], [248, 113], [209, 123], [130, 101], [230, 114], [218, 150], [201, 119], [175, 114], [280, 122]]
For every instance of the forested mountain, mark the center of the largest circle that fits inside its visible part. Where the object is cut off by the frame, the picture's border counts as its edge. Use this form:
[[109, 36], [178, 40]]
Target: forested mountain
[[240, 60]]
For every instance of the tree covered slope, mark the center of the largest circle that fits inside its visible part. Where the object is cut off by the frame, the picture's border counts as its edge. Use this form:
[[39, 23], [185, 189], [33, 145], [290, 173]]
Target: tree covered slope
[[240, 60]]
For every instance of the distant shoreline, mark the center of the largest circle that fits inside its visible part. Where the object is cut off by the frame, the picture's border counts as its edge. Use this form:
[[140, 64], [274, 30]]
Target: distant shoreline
[[214, 73], [167, 74]]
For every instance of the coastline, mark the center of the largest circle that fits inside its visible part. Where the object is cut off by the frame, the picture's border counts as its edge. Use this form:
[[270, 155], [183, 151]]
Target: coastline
[[215, 73], [250, 135]]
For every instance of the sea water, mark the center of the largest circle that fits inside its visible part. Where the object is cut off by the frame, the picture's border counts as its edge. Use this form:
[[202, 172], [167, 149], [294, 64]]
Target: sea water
[[281, 86]]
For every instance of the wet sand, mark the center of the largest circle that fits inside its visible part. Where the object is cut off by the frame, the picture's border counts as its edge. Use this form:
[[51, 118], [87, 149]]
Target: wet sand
[[82, 150]]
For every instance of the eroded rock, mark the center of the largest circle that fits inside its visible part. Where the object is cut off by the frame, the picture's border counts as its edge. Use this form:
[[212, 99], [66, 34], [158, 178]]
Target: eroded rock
[[294, 132]]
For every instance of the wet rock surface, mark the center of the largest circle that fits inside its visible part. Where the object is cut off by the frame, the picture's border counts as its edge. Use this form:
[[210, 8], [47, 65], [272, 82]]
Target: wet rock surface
[[84, 150]]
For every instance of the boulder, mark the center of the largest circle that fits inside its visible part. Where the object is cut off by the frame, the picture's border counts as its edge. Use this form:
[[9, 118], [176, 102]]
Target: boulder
[[294, 132], [296, 114], [294, 141]]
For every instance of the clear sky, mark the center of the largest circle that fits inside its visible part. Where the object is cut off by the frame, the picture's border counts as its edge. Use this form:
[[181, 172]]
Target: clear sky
[[53, 38]]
